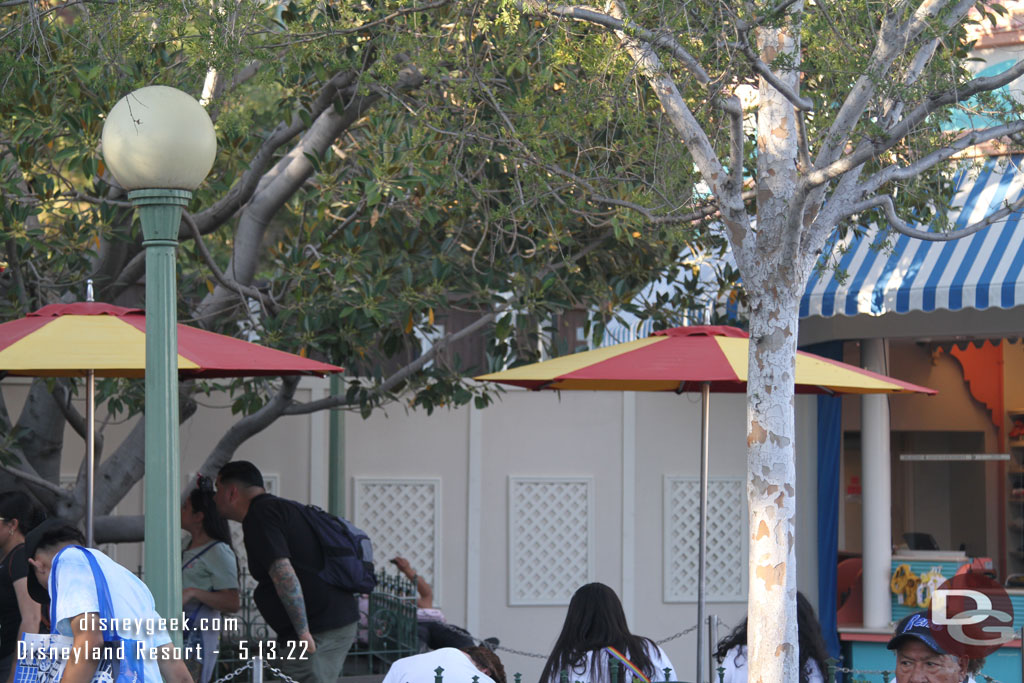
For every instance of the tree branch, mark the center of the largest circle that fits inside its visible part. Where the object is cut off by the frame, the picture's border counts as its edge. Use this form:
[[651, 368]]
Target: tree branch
[[891, 173], [764, 71], [894, 39], [34, 480], [899, 225], [249, 426], [634, 31], [405, 372], [900, 130], [280, 183], [267, 303]]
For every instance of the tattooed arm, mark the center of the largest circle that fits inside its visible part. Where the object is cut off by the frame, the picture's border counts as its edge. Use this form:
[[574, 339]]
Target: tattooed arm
[[286, 583]]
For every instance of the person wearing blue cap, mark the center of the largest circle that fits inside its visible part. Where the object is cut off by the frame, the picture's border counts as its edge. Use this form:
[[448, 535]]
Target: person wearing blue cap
[[921, 659]]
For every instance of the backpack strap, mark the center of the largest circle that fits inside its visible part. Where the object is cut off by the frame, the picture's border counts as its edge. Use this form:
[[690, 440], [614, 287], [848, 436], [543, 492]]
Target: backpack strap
[[199, 554], [630, 666], [106, 609]]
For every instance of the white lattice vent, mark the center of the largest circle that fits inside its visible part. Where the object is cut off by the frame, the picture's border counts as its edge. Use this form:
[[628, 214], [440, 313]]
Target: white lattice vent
[[551, 539], [726, 563], [402, 517]]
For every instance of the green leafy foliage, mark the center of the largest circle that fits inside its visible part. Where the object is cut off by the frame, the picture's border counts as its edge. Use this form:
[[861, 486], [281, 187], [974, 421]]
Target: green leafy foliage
[[504, 184]]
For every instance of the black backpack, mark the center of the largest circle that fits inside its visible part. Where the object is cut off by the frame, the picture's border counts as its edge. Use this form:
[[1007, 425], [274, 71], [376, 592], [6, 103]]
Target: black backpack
[[348, 553]]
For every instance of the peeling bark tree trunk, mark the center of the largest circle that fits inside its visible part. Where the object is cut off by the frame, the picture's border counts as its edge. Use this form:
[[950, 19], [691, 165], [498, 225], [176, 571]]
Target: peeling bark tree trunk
[[771, 466], [771, 491]]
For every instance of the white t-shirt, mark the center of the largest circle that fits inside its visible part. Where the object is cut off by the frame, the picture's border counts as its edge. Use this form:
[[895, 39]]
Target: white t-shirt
[[458, 668], [130, 599], [735, 665], [581, 672]]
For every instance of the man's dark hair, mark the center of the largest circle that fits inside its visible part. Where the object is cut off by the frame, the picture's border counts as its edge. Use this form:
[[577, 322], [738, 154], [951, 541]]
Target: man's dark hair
[[241, 472], [61, 535]]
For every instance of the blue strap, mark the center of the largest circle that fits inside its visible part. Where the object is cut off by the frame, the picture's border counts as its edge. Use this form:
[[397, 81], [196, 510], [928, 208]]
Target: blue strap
[[104, 604], [132, 667]]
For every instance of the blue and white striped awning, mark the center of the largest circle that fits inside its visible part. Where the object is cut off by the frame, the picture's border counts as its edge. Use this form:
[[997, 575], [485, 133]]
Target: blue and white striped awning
[[980, 271]]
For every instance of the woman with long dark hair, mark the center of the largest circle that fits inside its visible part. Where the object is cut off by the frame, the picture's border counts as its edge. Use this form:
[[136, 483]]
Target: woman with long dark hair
[[19, 613], [209, 578], [595, 638], [732, 650]]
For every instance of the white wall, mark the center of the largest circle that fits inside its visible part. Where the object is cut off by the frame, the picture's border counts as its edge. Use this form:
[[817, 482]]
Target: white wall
[[575, 434]]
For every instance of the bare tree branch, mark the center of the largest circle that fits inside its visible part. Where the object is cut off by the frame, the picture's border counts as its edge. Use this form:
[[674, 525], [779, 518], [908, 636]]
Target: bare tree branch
[[900, 130], [734, 215], [899, 225], [764, 71], [34, 480], [891, 173]]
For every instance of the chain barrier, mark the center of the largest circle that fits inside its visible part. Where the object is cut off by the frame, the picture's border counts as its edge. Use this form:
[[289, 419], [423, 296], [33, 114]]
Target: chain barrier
[[280, 674], [677, 635], [233, 674]]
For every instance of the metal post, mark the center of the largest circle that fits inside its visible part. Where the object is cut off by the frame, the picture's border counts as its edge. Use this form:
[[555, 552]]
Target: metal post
[[90, 445], [336, 455], [712, 641], [90, 456], [705, 435], [160, 215], [257, 669]]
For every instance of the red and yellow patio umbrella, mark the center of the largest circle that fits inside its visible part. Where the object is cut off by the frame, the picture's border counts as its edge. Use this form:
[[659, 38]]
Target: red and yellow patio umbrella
[[701, 358], [683, 359], [91, 339]]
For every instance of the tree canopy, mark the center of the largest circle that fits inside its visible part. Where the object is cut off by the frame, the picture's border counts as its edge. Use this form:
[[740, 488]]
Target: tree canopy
[[391, 178]]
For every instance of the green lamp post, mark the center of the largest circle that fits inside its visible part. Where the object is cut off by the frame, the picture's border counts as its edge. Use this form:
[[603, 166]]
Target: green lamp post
[[160, 144]]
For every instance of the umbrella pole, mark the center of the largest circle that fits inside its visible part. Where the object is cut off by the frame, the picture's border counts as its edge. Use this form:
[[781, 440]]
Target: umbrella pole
[[90, 456], [705, 424]]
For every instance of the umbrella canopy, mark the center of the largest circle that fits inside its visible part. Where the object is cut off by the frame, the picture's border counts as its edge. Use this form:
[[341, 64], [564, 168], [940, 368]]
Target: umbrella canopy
[[683, 359], [69, 340], [90, 340]]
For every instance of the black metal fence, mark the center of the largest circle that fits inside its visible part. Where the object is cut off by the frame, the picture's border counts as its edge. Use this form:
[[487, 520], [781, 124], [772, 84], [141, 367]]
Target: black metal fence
[[387, 631]]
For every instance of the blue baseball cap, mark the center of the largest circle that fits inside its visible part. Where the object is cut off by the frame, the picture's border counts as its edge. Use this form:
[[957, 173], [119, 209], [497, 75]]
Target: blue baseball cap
[[916, 625]]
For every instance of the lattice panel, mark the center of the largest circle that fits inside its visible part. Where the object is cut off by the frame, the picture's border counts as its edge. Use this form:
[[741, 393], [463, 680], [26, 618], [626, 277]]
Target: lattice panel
[[402, 517], [551, 539], [726, 562]]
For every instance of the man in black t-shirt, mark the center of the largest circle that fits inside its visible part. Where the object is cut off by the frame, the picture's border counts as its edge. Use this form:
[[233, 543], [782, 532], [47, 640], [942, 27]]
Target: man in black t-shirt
[[315, 621]]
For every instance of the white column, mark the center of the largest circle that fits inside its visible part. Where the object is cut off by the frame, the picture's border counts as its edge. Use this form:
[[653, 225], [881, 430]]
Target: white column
[[473, 524], [628, 503], [877, 492]]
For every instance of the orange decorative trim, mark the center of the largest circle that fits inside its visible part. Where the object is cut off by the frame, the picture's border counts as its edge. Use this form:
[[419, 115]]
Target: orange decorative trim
[[983, 372]]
